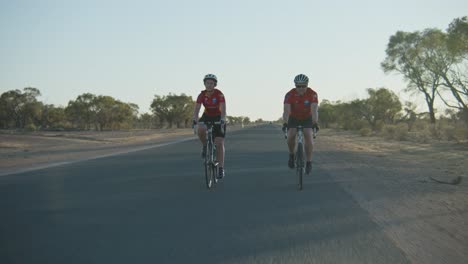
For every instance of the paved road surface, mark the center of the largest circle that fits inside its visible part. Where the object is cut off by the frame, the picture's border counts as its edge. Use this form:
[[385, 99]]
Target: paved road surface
[[152, 207]]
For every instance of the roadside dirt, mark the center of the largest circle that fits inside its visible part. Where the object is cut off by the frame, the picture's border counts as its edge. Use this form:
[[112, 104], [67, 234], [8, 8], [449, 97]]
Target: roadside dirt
[[24, 151], [31, 150], [392, 181]]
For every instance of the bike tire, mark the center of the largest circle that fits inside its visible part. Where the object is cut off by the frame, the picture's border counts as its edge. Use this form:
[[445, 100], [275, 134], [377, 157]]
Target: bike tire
[[300, 165], [215, 165], [209, 173]]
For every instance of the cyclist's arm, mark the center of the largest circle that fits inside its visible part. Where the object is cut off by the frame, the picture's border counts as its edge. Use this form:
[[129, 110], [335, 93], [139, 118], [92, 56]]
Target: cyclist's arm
[[286, 111], [196, 111], [222, 107], [314, 108]]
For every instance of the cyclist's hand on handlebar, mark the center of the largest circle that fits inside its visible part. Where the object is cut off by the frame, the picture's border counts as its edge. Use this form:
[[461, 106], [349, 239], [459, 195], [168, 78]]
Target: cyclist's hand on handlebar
[[285, 127], [315, 127]]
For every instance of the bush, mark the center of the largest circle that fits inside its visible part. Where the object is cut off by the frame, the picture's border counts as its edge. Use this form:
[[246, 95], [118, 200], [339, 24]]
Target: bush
[[355, 125], [365, 131], [420, 125], [379, 126], [435, 132], [420, 136], [398, 132], [30, 127], [457, 134], [442, 130]]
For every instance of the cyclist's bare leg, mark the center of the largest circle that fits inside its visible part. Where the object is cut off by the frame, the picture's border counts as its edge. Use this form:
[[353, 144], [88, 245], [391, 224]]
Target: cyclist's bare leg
[[292, 139], [308, 143], [202, 133], [219, 141]]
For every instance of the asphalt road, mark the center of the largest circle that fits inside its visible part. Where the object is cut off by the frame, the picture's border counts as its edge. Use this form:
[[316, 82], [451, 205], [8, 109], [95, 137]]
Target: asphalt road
[[152, 207]]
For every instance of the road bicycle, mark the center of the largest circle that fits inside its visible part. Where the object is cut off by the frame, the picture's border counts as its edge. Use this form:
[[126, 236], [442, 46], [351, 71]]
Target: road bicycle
[[210, 161], [299, 159]]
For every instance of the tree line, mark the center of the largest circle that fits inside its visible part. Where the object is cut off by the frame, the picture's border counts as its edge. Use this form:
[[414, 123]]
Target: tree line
[[23, 110], [381, 107], [382, 113]]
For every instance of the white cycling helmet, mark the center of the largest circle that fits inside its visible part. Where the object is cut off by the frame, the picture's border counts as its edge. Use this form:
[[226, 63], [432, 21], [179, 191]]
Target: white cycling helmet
[[301, 79], [210, 76]]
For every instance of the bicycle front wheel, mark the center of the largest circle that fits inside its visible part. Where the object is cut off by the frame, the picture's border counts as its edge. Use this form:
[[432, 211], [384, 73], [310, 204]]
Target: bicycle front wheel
[[300, 165], [209, 172]]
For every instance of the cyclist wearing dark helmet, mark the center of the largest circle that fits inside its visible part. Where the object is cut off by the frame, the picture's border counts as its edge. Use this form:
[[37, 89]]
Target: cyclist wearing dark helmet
[[300, 108], [215, 111]]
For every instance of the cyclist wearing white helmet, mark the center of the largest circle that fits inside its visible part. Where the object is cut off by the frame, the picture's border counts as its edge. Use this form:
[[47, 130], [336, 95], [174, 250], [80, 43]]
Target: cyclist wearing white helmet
[[215, 110], [300, 108]]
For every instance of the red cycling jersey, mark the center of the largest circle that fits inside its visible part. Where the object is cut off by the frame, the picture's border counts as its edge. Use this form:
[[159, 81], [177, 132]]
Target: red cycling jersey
[[301, 104], [211, 102]]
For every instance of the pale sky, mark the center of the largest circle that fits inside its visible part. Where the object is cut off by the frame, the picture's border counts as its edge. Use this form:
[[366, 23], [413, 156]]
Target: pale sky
[[132, 50]]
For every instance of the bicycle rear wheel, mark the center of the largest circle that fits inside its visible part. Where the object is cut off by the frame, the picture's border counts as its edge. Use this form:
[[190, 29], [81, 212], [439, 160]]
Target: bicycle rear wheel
[[300, 165], [209, 171]]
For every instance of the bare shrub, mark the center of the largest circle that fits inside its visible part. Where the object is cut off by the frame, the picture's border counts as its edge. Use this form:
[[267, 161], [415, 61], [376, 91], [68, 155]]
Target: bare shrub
[[365, 131], [397, 132]]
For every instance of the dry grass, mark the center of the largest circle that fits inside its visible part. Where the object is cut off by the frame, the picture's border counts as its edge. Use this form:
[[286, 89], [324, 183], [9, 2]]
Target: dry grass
[[397, 132], [13, 145], [423, 132]]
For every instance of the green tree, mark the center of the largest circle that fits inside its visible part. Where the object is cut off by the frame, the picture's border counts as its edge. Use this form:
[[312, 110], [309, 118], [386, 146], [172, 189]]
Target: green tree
[[82, 111], [350, 114], [147, 121], [238, 120], [410, 115], [458, 35], [101, 112], [32, 107], [10, 108], [19, 109], [160, 108], [125, 115], [445, 56], [327, 113], [408, 54], [382, 106], [235, 120], [106, 111], [53, 117], [173, 109], [455, 79]]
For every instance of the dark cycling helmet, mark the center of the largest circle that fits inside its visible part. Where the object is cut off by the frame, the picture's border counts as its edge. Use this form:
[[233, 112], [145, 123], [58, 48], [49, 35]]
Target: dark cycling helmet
[[301, 79], [210, 76]]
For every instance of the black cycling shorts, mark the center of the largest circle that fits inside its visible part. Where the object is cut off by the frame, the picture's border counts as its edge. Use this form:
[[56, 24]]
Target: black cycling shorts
[[294, 122], [216, 128]]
